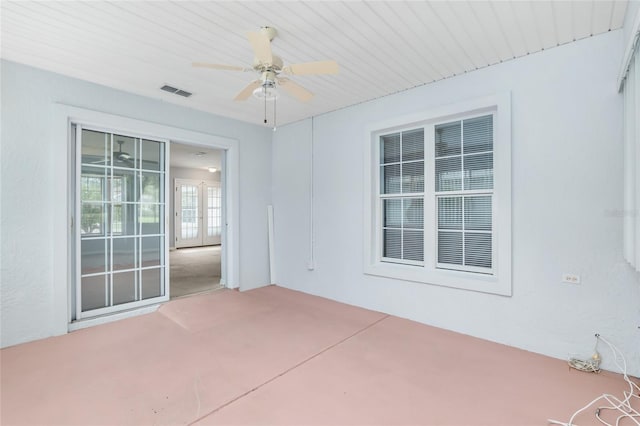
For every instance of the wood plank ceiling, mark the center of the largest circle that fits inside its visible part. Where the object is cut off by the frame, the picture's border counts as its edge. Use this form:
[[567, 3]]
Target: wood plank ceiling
[[382, 47]]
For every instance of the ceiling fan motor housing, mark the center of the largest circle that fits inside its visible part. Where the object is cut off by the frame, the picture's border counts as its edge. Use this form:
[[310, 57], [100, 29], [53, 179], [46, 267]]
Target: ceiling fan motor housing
[[268, 78], [275, 65]]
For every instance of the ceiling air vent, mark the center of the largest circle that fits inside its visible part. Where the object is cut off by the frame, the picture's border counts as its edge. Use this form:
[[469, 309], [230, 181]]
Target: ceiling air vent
[[176, 91]]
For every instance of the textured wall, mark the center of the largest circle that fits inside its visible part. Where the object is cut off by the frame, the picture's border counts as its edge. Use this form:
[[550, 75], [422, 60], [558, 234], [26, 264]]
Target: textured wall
[[566, 190]]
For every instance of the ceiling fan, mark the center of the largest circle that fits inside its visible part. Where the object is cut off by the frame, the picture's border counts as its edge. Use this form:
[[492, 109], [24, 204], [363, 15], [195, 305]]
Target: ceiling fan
[[270, 67], [119, 157], [122, 156]]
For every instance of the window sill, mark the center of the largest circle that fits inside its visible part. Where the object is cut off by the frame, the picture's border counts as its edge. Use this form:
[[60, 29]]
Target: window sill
[[483, 283]]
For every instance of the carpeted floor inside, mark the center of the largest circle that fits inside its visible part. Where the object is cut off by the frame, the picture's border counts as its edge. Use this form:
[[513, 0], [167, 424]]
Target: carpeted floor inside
[[194, 270], [273, 356]]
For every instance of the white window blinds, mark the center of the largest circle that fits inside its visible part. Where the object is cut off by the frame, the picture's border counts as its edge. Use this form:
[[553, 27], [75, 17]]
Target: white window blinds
[[402, 196], [631, 213], [464, 194]]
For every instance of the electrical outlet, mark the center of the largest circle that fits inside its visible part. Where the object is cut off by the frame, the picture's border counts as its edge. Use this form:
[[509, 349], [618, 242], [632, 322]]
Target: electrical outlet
[[571, 279]]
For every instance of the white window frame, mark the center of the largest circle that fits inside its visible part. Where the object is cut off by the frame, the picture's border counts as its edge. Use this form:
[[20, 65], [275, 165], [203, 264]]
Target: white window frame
[[499, 280]]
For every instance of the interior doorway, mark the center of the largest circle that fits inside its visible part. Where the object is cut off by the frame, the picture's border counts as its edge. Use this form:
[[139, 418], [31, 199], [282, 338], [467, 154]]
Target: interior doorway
[[195, 258]]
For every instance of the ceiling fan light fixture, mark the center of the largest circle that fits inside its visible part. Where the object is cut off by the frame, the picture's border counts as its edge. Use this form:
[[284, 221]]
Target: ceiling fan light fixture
[[267, 92]]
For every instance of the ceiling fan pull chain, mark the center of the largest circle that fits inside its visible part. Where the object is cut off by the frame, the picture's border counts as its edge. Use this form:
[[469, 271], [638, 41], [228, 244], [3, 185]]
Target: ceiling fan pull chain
[[265, 104], [274, 113]]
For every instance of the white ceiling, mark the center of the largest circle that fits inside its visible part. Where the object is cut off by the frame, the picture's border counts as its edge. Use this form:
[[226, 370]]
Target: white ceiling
[[382, 47], [194, 157]]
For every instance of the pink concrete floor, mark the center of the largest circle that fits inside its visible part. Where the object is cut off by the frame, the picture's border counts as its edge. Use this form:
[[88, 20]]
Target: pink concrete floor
[[275, 356]]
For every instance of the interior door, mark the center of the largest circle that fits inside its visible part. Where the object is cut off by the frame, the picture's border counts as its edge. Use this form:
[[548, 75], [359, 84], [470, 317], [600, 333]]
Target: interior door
[[198, 210], [188, 228], [213, 212]]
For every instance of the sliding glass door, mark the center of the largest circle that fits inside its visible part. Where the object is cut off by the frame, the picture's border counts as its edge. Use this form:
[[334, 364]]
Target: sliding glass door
[[121, 244]]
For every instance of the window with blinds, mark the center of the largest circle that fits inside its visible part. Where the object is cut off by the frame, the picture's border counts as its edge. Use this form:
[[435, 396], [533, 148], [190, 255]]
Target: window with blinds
[[462, 196], [437, 208], [464, 191], [402, 196]]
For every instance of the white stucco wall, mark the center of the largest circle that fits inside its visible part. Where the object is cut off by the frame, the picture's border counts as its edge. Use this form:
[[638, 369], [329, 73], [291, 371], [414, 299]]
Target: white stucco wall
[[566, 196], [30, 295]]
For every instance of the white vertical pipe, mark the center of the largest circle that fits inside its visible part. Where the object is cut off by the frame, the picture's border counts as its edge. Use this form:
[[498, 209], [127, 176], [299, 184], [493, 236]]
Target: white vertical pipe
[[311, 264], [272, 258], [635, 150]]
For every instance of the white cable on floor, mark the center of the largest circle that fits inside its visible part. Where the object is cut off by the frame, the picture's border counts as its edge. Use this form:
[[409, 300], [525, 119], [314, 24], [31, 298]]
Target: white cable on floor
[[624, 405]]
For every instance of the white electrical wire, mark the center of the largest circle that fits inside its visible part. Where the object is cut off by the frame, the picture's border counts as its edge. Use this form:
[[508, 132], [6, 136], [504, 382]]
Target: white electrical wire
[[624, 405]]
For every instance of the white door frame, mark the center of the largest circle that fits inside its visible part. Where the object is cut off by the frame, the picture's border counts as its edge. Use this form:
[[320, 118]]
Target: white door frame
[[63, 215]]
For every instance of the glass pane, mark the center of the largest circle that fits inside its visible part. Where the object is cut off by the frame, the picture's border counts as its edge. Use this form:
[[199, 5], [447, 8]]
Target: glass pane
[[93, 184], [450, 213], [94, 292], [413, 209], [213, 222], [391, 244], [124, 151], [152, 219], [477, 250], [390, 179], [449, 174], [124, 287], [124, 219], [477, 213], [93, 219], [190, 211], [94, 256], [478, 171], [152, 188], [448, 139], [413, 145], [413, 177], [413, 245], [214, 218], [392, 213], [390, 149], [478, 134], [124, 253], [124, 187], [450, 247], [151, 283], [151, 251], [152, 155], [95, 148]]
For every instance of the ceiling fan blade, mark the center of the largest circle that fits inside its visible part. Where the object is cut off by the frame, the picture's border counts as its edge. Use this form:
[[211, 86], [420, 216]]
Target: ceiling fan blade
[[295, 89], [218, 66], [247, 91], [306, 68], [261, 46]]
